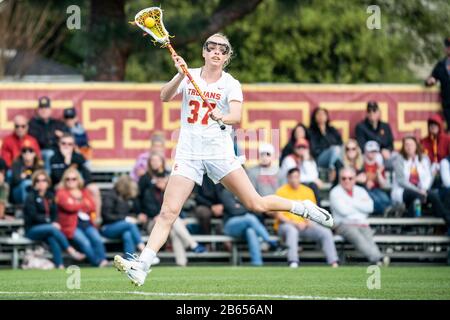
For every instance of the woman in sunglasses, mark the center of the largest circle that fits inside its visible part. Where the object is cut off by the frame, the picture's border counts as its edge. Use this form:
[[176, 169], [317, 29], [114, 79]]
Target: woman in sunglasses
[[41, 219], [203, 148], [22, 170], [352, 157], [76, 214]]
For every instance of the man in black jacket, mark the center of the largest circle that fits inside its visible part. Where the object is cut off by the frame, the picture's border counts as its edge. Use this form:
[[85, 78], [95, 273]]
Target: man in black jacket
[[372, 128], [46, 130], [441, 73]]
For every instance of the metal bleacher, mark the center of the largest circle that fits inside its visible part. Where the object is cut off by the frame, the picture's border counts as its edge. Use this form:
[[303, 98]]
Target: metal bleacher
[[411, 240], [401, 247]]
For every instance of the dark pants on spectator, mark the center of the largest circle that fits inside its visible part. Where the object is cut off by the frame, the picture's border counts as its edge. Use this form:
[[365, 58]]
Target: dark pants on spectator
[[55, 239], [446, 111], [433, 197]]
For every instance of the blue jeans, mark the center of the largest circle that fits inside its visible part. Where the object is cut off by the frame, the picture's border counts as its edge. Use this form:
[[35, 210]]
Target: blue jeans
[[89, 241], [251, 228], [55, 239], [328, 157], [128, 232], [20, 192], [380, 201], [47, 154]]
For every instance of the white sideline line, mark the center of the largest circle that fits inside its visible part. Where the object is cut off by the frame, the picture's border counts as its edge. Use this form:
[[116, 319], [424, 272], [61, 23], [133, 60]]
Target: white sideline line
[[181, 294]]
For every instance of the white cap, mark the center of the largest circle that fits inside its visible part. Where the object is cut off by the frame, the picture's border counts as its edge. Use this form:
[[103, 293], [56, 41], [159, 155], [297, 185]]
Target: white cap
[[371, 146], [266, 147]]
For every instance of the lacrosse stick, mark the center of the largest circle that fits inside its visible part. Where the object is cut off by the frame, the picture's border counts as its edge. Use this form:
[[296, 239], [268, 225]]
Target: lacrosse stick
[[151, 21]]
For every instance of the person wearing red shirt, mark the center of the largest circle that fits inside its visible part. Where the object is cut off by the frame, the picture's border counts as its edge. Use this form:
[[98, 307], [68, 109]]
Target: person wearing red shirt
[[375, 179], [76, 215], [13, 143], [436, 144]]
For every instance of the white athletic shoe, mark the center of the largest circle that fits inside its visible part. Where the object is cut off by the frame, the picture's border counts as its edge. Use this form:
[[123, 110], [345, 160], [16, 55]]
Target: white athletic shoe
[[132, 268], [317, 214]]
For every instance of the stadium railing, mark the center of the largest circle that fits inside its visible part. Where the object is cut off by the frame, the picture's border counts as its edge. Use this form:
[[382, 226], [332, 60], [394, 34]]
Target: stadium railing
[[398, 246]]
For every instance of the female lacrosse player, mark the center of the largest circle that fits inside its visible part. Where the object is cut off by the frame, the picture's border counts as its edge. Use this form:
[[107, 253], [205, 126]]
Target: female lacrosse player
[[204, 148]]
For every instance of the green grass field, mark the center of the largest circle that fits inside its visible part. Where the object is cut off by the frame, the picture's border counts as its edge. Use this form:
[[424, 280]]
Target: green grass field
[[231, 283]]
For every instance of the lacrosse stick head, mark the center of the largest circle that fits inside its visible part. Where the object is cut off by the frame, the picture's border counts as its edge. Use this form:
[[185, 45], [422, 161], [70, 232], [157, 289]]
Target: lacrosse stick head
[[157, 31]]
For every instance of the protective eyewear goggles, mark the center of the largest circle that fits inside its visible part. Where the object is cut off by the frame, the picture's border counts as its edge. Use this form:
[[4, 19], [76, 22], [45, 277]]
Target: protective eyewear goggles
[[211, 45]]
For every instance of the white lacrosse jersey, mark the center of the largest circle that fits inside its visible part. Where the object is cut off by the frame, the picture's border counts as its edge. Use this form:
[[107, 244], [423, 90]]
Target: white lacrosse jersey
[[201, 137]]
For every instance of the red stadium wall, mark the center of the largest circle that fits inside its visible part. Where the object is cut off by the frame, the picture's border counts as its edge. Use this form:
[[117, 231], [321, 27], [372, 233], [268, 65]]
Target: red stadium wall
[[121, 117]]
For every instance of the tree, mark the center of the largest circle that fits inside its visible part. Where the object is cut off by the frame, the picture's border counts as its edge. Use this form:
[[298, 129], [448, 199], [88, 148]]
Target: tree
[[275, 41], [109, 38], [27, 34], [310, 41]]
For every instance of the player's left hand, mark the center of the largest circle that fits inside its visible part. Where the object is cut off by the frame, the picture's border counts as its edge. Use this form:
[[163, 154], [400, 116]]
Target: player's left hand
[[216, 115]]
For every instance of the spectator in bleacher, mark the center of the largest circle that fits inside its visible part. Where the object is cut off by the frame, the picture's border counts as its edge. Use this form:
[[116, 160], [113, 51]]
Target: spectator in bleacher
[[78, 132], [119, 209], [299, 132], [12, 144], [302, 160], [208, 204], [326, 141], [242, 224], [76, 215], [445, 178], [4, 188], [373, 129], [264, 176], [441, 73], [290, 227], [413, 179], [352, 157], [41, 223], [66, 157], [350, 205], [22, 169], [157, 146], [375, 178], [436, 144], [151, 196], [46, 130], [156, 165]]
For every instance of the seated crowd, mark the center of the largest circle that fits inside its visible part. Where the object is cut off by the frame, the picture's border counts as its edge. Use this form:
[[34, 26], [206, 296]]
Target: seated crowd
[[44, 167]]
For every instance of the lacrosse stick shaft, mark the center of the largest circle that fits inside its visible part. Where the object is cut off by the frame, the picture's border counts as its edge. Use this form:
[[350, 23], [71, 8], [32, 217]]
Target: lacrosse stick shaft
[[200, 93]]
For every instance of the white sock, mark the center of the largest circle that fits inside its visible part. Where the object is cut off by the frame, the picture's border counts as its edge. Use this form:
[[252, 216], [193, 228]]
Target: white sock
[[147, 256], [298, 208]]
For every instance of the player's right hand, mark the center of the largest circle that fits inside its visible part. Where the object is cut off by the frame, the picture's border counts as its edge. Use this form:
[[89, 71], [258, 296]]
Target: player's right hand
[[179, 61]]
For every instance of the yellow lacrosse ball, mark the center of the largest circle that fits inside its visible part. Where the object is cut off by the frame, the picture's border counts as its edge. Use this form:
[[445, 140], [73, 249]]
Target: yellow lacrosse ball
[[149, 22]]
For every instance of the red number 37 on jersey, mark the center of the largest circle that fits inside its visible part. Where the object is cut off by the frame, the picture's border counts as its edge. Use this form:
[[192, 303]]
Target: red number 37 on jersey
[[195, 108]]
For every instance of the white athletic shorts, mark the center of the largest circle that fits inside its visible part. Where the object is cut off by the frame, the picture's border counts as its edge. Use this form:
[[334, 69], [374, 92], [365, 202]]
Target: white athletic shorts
[[195, 169]]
